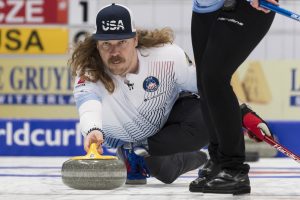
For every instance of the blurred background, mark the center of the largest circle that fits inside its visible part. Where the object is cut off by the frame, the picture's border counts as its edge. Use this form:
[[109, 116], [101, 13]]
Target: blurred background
[[37, 111]]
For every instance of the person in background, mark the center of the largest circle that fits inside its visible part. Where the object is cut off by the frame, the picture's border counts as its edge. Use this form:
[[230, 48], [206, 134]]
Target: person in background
[[223, 36]]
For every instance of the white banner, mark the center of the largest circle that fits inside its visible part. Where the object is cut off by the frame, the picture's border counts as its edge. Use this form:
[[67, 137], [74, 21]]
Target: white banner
[[272, 88], [83, 12]]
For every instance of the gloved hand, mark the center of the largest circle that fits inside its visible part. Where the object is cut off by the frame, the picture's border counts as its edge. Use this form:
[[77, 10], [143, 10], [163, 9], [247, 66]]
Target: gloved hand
[[254, 126]]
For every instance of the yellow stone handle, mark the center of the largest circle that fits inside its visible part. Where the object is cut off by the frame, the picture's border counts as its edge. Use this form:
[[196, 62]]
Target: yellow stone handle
[[93, 154]]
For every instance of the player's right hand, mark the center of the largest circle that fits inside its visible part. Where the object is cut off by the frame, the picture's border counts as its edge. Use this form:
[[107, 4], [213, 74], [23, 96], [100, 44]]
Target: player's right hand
[[94, 137], [257, 134], [256, 127], [255, 4]]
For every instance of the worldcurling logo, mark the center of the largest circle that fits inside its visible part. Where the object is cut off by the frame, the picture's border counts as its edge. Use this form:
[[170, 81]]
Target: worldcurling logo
[[42, 138], [29, 135]]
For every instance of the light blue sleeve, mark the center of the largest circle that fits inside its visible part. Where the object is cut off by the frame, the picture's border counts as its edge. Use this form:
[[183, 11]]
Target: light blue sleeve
[[207, 6], [84, 96], [85, 91]]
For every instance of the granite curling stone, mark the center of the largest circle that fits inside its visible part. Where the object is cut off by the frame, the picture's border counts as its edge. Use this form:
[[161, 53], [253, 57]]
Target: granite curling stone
[[94, 171]]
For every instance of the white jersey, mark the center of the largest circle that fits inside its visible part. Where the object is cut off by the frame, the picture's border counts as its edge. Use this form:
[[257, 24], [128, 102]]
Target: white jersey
[[141, 102]]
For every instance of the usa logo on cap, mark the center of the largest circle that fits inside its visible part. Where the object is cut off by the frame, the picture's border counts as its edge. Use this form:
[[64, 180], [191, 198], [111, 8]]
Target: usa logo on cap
[[150, 84], [114, 22]]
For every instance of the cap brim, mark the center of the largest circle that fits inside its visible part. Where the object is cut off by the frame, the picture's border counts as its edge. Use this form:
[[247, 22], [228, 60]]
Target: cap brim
[[113, 36]]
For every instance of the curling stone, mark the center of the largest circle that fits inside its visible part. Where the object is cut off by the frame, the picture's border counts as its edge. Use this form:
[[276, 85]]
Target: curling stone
[[94, 171]]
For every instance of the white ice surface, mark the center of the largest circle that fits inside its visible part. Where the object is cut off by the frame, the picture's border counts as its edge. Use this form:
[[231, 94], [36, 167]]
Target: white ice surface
[[39, 178]]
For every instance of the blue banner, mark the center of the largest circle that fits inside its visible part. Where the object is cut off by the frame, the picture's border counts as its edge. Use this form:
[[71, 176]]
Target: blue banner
[[42, 138], [63, 137], [288, 135]]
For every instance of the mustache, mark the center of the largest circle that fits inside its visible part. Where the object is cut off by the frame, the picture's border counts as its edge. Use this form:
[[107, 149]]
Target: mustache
[[116, 59]]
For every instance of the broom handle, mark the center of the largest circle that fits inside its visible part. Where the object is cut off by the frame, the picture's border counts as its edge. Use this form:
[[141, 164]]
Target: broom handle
[[279, 10], [281, 148]]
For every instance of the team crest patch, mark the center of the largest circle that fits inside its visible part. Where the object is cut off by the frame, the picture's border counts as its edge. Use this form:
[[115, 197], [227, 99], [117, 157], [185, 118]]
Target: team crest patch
[[150, 84]]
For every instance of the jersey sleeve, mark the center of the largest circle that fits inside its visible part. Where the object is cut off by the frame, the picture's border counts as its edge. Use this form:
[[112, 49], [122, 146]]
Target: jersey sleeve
[[88, 103], [207, 6], [185, 72], [112, 142]]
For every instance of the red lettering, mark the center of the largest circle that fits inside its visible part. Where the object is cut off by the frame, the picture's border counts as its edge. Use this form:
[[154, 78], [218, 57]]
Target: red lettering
[[33, 11]]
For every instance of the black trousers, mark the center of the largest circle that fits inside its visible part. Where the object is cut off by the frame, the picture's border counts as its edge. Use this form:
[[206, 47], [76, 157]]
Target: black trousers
[[221, 42], [175, 148], [184, 131]]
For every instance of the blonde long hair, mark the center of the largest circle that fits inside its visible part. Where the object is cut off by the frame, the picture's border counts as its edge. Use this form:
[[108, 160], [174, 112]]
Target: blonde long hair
[[86, 59]]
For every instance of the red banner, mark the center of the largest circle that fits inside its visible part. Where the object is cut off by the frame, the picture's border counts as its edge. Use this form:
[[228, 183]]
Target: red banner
[[33, 11]]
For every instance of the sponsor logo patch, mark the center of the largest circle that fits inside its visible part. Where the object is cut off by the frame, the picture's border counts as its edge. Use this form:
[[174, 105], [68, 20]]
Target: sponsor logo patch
[[80, 81]]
